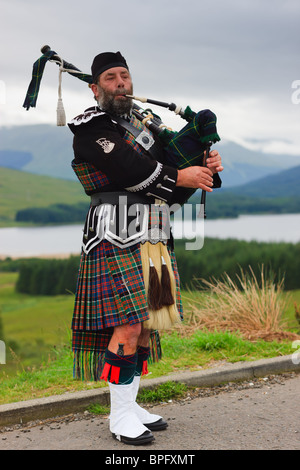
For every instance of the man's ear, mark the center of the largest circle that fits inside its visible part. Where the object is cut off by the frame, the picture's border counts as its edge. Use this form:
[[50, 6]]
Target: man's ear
[[94, 89]]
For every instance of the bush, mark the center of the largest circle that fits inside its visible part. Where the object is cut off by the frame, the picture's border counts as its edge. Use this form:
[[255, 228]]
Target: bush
[[252, 306]]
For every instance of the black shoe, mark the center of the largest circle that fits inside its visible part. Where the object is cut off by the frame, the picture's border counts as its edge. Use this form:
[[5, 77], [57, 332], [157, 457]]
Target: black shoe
[[145, 438], [159, 425]]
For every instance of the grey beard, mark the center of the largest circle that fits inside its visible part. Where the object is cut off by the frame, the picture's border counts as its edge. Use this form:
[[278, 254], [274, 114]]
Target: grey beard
[[107, 103]]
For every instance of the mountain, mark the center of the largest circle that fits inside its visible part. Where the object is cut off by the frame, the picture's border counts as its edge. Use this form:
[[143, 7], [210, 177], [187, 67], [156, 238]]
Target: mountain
[[42, 149], [16, 159], [284, 183], [273, 194], [242, 165], [47, 150]]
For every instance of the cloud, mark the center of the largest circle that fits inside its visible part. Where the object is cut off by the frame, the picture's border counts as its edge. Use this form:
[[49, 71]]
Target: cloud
[[238, 57]]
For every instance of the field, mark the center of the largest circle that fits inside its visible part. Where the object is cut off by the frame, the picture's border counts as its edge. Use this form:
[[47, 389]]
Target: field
[[33, 326], [36, 330]]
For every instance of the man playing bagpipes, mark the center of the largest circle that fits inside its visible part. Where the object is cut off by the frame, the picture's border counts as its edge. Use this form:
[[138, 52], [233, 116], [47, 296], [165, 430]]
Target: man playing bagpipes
[[128, 283]]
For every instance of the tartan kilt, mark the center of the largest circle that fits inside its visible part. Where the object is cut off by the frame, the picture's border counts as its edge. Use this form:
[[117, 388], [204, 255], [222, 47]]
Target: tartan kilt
[[110, 292]]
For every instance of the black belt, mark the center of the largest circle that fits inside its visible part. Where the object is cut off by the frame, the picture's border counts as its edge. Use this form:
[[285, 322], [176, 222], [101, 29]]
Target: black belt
[[113, 198]]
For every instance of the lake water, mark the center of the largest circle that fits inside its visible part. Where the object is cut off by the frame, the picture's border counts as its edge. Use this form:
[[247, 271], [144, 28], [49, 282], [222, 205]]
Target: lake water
[[66, 239]]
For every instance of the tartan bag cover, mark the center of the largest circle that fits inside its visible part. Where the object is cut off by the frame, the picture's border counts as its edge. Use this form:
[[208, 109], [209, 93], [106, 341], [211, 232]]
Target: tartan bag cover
[[186, 147]]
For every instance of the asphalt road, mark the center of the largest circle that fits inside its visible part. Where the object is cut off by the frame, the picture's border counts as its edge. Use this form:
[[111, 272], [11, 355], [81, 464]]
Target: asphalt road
[[263, 414]]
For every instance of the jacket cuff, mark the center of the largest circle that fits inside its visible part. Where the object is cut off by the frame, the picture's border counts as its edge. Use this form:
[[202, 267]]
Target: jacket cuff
[[160, 184]]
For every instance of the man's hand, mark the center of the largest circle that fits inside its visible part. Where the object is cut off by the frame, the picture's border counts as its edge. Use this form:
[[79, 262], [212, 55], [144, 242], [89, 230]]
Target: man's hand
[[195, 177], [199, 176], [214, 162]]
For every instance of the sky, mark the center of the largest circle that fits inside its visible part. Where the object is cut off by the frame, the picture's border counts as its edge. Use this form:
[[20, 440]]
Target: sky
[[241, 59]]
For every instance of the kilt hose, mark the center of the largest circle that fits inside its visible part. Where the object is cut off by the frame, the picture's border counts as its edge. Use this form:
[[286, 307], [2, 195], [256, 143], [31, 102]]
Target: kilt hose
[[110, 292]]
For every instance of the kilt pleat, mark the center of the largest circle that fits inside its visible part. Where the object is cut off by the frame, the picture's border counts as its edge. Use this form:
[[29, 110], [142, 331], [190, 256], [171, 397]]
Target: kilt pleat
[[110, 288]]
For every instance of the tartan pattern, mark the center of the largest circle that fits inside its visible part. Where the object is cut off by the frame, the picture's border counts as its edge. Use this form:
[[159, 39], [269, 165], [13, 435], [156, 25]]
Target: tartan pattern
[[110, 288], [130, 139], [34, 85], [89, 360], [101, 296], [89, 176], [110, 291], [37, 74], [91, 340], [187, 146]]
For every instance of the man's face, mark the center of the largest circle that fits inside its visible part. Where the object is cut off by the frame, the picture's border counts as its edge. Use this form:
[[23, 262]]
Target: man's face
[[112, 85]]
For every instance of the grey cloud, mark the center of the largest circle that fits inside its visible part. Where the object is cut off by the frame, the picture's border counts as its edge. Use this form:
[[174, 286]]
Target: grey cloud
[[191, 49]]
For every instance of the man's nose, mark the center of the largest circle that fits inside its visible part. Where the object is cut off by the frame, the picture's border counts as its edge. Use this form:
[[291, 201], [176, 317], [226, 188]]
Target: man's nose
[[120, 82]]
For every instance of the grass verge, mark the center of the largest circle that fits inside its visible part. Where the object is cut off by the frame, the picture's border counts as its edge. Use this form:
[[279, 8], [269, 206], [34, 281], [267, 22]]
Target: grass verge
[[203, 349]]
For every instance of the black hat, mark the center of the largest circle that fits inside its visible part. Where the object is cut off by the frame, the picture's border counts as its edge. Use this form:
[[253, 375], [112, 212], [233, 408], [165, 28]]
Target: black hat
[[105, 61]]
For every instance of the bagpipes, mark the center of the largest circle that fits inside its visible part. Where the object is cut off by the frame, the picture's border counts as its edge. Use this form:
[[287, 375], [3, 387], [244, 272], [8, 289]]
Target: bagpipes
[[190, 146], [177, 144]]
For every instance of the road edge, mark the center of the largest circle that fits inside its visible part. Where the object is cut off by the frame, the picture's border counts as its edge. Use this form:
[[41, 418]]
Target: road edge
[[75, 402]]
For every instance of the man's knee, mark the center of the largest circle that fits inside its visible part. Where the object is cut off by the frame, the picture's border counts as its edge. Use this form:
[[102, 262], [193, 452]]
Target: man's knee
[[129, 331], [127, 335]]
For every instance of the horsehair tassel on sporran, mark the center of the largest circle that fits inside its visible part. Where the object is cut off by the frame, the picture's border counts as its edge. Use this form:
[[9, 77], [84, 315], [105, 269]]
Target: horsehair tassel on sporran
[[152, 259], [166, 296], [170, 289], [154, 289], [163, 316]]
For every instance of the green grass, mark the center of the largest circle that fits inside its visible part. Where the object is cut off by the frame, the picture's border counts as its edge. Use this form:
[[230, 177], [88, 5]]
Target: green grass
[[52, 377], [33, 326], [30, 190], [37, 330], [164, 392], [202, 350]]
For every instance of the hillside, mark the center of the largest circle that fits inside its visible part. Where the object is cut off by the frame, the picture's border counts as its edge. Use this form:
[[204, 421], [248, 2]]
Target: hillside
[[20, 190], [242, 165], [279, 193], [282, 184], [273, 194], [47, 150]]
